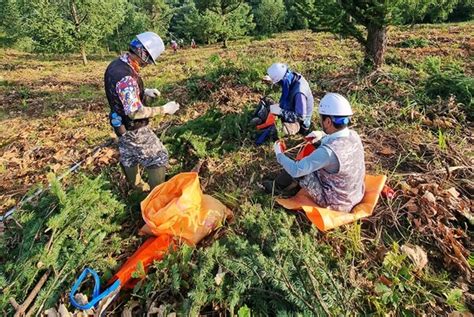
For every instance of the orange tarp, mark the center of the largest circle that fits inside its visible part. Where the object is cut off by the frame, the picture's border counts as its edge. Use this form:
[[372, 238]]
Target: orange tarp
[[325, 219]]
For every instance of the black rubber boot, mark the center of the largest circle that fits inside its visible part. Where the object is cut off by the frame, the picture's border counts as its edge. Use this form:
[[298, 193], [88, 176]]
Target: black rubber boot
[[283, 184], [156, 176]]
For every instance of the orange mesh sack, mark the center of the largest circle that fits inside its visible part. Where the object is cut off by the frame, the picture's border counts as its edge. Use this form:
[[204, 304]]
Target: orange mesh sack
[[179, 208]]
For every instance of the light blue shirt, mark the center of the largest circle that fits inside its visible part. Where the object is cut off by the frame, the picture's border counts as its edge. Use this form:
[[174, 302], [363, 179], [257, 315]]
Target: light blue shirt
[[322, 157]]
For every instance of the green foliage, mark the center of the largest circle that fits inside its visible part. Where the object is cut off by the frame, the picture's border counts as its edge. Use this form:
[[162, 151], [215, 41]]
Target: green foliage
[[64, 233], [212, 134], [464, 11], [294, 20], [243, 72], [399, 289], [431, 11], [346, 17], [446, 80], [414, 42], [455, 299], [141, 15], [271, 266], [225, 19], [62, 26], [269, 16]]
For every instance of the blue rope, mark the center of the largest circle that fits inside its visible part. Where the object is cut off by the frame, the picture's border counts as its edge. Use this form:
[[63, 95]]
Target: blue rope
[[96, 295]]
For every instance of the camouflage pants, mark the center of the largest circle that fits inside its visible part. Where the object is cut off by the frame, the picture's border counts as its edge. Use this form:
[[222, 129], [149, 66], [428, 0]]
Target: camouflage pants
[[314, 188], [143, 147]]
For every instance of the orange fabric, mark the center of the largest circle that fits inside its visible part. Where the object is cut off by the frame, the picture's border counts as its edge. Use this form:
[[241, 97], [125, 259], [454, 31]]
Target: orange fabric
[[325, 219], [152, 250], [179, 208], [270, 121]]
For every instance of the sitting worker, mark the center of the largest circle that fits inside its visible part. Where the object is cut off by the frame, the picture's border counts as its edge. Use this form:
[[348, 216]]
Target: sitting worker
[[333, 174], [295, 107], [129, 116]]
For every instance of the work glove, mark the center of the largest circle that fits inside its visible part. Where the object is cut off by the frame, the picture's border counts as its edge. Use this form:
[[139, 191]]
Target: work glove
[[278, 147], [171, 107], [152, 92], [275, 109], [314, 136]]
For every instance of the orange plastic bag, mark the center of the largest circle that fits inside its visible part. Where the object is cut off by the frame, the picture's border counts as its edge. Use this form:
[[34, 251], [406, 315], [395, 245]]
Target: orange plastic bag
[[154, 249], [325, 219], [174, 209], [179, 208]]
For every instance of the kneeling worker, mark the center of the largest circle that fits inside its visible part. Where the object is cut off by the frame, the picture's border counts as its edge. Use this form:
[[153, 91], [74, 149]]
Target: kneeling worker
[[129, 116], [295, 107], [334, 173]]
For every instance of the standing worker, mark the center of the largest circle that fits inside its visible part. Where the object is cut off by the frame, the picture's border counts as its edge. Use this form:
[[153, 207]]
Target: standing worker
[[174, 46], [295, 107], [130, 116], [333, 174]]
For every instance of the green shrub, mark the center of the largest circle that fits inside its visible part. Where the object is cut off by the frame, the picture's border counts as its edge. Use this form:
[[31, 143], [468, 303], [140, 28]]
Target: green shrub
[[212, 134], [446, 80], [414, 42], [271, 265], [66, 231]]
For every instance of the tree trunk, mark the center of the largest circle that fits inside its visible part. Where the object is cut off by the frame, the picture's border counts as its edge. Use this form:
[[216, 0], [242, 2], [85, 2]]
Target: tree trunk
[[83, 53], [224, 43], [376, 44]]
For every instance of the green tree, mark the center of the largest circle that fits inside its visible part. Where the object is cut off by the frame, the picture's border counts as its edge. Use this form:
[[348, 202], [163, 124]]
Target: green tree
[[439, 10], [141, 16], [71, 25], [430, 11], [10, 18], [350, 18], [269, 16], [294, 20], [464, 11], [233, 17]]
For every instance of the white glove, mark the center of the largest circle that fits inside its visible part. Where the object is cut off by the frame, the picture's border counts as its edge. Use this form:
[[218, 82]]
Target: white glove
[[315, 136], [152, 93], [277, 148], [275, 109], [171, 107]]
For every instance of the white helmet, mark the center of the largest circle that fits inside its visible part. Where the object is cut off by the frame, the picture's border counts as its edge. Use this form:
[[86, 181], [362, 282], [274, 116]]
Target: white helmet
[[152, 43], [334, 104], [277, 71]]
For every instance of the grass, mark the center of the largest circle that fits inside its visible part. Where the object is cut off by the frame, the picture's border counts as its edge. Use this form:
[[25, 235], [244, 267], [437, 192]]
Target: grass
[[269, 261]]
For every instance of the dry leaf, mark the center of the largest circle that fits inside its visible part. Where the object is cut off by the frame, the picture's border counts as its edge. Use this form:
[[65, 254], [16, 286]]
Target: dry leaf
[[411, 206], [428, 196], [386, 151], [63, 312], [417, 255], [52, 312], [384, 280], [219, 278], [453, 192], [459, 314]]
